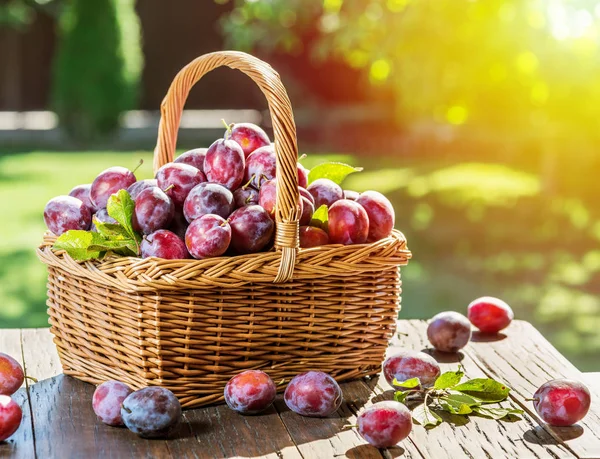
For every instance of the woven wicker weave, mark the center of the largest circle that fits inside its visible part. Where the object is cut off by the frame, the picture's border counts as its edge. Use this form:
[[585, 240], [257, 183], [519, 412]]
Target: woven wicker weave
[[189, 325]]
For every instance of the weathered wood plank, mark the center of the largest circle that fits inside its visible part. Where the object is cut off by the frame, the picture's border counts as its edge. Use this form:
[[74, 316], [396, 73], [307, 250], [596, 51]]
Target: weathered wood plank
[[220, 432], [68, 427], [593, 381], [39, 353], [64, 422], [481, 437], [326, 437], [65, 425], [527, 360], [361, 394], [21, 444]]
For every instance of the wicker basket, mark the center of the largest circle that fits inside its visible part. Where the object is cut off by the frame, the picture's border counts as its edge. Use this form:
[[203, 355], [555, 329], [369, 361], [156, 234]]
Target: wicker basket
[[189, 325]]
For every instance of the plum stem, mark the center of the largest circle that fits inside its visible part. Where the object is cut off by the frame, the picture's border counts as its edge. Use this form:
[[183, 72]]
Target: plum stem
[[228, 127], [249, 182], [138, 166], [262, 178], [302, 156], [169, 187], [31, 378]]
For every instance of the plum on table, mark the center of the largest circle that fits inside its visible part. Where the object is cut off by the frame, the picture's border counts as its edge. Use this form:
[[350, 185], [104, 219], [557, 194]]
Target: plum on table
[[250, 392], [107, 400], [152, 412], [449, 331], [313, 393], [11, 375], [562, 402]]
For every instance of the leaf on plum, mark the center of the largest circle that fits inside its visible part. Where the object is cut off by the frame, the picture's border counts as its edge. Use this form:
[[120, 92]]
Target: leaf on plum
[[120, 206], [111, 230], [320, 218], [333, 171], [408, 384], [77, 242]]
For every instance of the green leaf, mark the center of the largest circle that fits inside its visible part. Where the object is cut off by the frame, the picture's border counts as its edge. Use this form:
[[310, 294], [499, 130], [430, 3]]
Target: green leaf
[[408, 384], [459, 397], [320, 218], [458, 408], [77, 243], [111, 230], [497, 413], [448, 379], [484, 389], [458, 403], [336, 172], [125, 247], [400, 396], [120, 206], [425, 416]]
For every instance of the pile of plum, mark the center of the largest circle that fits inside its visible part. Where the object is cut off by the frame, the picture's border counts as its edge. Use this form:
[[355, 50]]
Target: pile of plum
[[221, 201], [154, 412]]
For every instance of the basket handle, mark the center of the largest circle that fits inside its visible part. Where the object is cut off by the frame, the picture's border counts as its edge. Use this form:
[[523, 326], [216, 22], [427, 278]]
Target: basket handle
[[287, 209]]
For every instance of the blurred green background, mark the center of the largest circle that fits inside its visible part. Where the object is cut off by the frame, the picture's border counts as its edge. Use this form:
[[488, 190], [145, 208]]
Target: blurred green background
[[476, 118]]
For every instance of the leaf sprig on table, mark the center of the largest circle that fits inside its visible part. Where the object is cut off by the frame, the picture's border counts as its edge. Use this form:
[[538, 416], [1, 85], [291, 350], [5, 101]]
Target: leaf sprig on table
[[119, 237], [481, 396]]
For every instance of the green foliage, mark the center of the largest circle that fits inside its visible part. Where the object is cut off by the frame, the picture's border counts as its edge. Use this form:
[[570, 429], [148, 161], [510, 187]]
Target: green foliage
[[77, 244], [120, 238], [408, 384], [448, 379], [15, 14], [19, 14], [320, 217], [333, 171], [497, 65], [98, 66], [454, 398]]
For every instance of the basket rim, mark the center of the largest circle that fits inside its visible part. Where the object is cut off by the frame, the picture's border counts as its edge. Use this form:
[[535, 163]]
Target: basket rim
[[132, 274]]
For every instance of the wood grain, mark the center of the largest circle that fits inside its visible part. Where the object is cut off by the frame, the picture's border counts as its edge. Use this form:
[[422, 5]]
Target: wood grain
[[527, 360], [63, 412], [220, 432], [21, 444], [593, 381], [59, 421], [481, 437], [326, 437]]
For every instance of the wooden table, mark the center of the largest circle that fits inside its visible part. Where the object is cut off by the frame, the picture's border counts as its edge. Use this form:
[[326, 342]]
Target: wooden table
[[58, 421]]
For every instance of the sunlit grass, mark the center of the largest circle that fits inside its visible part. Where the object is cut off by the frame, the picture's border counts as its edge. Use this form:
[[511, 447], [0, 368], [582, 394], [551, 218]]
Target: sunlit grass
[[27, 182]]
